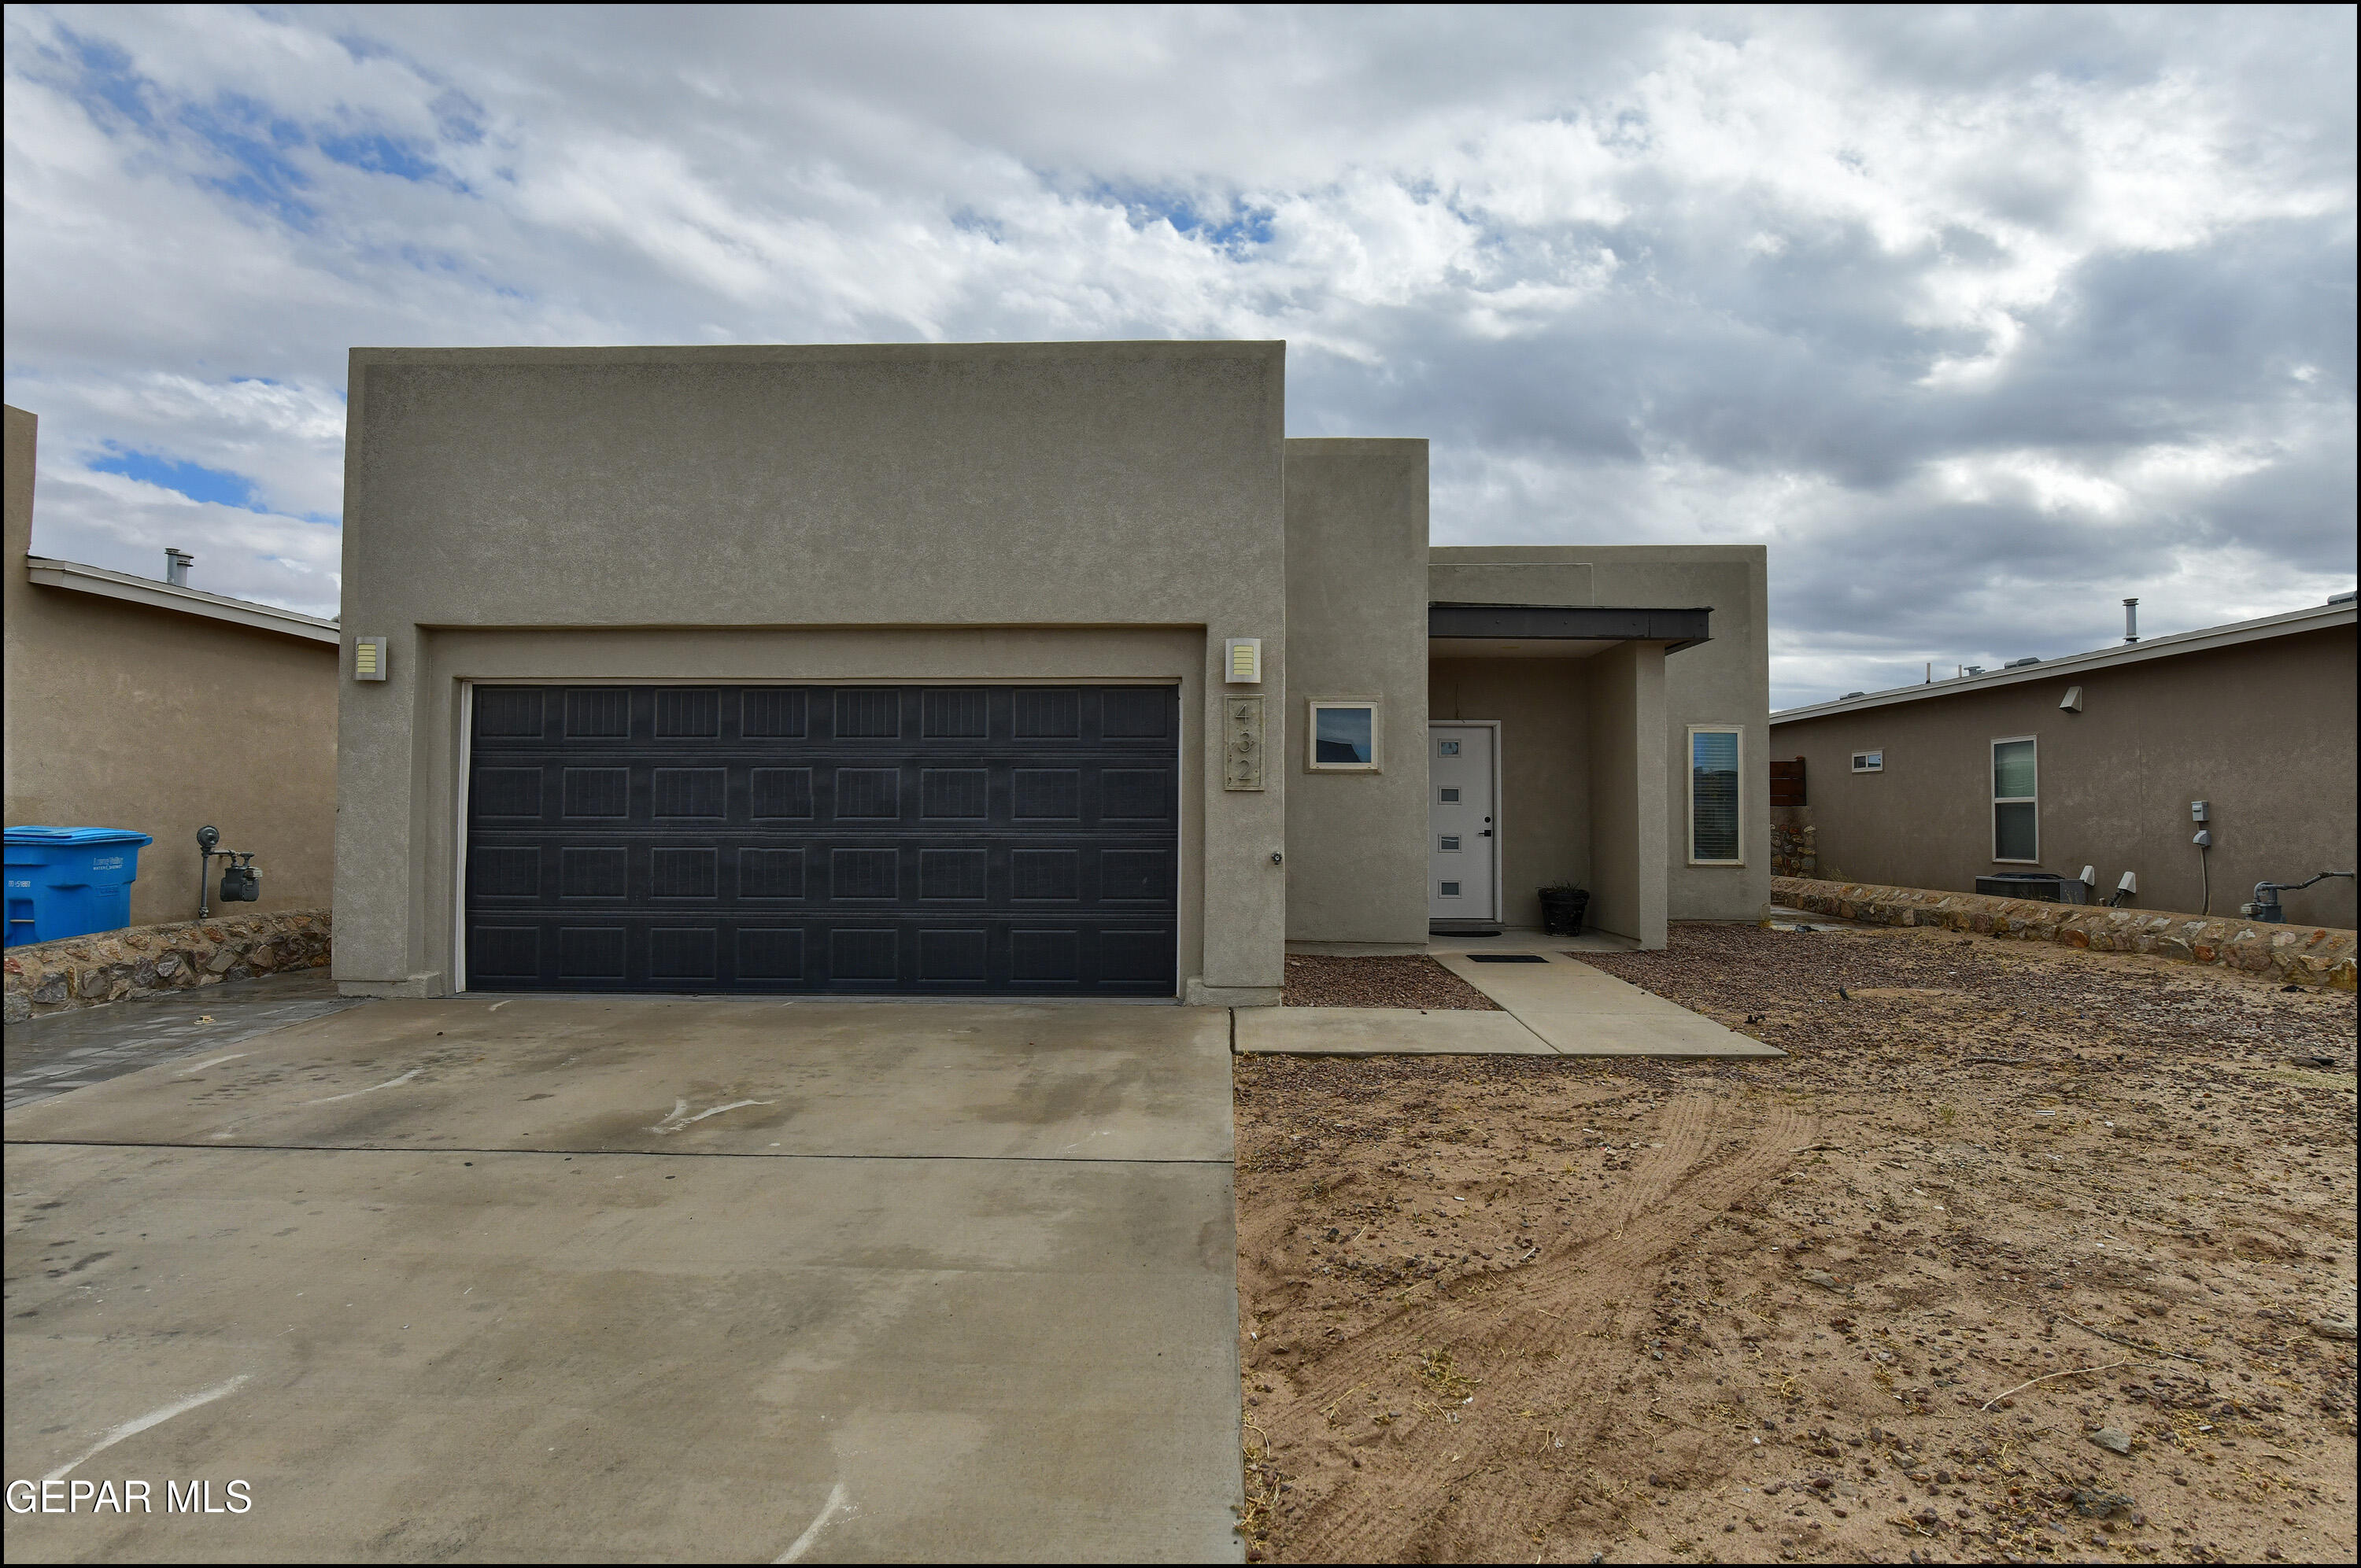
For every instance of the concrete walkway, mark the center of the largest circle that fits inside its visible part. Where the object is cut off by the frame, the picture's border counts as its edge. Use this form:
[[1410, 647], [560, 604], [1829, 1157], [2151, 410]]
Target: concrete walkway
[[565, 1280], [1558, 1006]]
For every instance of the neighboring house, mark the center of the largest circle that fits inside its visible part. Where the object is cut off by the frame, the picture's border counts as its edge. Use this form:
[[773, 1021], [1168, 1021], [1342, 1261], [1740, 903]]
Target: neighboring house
[[2096, 760], [1028, 668], [146, 704]]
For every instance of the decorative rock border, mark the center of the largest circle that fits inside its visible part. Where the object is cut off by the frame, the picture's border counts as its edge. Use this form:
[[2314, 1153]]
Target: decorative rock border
[[141, 960], [2302, 955]]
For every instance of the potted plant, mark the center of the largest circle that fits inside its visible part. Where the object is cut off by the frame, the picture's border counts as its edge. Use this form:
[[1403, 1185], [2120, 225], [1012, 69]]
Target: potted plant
[[1563, 904]]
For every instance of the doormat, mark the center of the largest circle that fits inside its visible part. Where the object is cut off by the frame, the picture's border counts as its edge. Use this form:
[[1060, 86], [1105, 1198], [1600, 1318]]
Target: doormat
[[1505, 958]]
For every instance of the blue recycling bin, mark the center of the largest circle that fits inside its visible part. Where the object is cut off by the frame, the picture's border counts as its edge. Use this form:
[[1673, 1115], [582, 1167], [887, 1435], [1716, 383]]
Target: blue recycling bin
[[70, 882]]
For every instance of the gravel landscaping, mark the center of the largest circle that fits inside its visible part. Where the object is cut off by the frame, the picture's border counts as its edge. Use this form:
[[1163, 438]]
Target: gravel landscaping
[[1409, 981]]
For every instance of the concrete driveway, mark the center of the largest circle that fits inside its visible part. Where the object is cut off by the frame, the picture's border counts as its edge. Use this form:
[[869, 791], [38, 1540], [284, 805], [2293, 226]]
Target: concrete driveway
[[638, 1278]]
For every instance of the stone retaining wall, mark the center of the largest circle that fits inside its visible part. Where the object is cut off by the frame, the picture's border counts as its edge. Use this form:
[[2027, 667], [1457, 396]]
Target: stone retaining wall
[[2303, 955], [141, 960], [1794, 849]]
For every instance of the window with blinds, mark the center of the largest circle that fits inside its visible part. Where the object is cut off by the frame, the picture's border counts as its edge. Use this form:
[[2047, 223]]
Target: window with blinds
[[2016, 800], [1713, 795]]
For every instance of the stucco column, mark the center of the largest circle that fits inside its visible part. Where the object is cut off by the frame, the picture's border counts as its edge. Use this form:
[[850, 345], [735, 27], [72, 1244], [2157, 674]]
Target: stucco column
[[1627, 757], [1245, 889], [380, 924]]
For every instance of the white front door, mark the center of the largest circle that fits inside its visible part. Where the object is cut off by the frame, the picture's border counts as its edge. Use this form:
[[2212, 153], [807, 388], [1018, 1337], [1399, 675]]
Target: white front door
[[1462, 841]]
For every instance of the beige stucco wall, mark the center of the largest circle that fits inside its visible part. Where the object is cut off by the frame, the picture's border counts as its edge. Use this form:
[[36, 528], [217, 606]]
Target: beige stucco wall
[[1725, 680], [123, 716], [972, 486], [2263, 731], [1356, 628], [1543, 707]]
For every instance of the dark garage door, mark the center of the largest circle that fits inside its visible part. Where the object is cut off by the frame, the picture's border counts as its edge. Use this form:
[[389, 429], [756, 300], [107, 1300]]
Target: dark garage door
[[817, 839]]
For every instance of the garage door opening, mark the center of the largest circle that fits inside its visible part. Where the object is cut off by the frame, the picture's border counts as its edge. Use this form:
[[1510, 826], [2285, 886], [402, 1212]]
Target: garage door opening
[[951, 840]]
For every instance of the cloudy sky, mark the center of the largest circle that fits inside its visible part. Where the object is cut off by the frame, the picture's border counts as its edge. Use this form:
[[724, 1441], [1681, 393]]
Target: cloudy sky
[[1980, 320]]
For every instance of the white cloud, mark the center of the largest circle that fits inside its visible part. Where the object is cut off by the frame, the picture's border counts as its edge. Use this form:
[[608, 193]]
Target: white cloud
[[1973, 317]]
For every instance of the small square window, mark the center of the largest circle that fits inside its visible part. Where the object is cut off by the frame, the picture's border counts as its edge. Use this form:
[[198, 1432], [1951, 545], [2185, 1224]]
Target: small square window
[[1450, 795], [1344, 736], [1446, 748], [1449, 843], [1869, 762], [1451, 890]]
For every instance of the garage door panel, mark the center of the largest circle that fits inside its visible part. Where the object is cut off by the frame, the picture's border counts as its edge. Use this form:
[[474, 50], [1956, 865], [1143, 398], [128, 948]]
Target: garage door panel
[[770, 955], [824, 838], [586, 873], [603, 714], [1046, 958], [956, 713], [771, 874], [687, 714], [779, 794], [692, 792], [954, 794], [953, 956], [960, 876], [1045, 713], [593, 955], [774, 713], [1135, 958], [506, 873], [504, 954], [867, 794], [509, 794], [868, 714], [510, 711]]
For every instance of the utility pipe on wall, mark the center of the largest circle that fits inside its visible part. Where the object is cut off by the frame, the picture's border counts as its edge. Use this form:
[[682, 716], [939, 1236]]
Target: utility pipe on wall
[[2266, 907]]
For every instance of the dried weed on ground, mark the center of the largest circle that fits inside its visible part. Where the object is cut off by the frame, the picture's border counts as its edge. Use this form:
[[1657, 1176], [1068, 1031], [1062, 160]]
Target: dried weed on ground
[[1508, 1308]]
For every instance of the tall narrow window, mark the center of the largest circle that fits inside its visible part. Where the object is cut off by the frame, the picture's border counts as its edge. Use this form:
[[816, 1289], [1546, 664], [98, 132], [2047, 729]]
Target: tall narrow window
[[1713, 795], [2016, 793]]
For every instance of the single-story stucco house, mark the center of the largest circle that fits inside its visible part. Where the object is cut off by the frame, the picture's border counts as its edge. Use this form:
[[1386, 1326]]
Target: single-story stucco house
[[153, 706], [1048, 669], [2180, 769]]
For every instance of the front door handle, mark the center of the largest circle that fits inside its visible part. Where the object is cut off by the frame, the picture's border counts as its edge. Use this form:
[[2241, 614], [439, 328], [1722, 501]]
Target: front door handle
[[1488, 832]]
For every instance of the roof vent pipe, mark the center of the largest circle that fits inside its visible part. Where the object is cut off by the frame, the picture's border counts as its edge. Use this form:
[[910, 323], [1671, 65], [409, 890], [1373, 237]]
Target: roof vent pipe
[[176, 566], [2131, 621]]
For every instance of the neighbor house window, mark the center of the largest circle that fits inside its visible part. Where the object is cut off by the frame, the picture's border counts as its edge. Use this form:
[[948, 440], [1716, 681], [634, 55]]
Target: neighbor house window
[[2016, 792], [1713, 795], [1344, 736], [1869, 762]]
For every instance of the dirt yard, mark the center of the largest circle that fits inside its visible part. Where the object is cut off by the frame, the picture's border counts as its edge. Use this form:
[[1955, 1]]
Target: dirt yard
[[1518, 1308]]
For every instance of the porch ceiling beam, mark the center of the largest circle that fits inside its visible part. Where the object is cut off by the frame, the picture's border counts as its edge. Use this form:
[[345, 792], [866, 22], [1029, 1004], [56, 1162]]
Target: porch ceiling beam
[[1677, 628]]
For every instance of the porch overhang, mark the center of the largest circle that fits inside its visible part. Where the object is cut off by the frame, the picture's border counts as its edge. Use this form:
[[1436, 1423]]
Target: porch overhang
[[1482, 629]]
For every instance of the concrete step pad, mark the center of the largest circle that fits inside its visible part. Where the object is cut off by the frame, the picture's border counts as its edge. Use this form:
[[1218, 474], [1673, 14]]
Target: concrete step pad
[[1383, 1032]]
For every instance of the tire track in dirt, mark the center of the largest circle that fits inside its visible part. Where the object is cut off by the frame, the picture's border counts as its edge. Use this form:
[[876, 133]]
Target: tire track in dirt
[[1707, 1162], [2170, 1163]]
